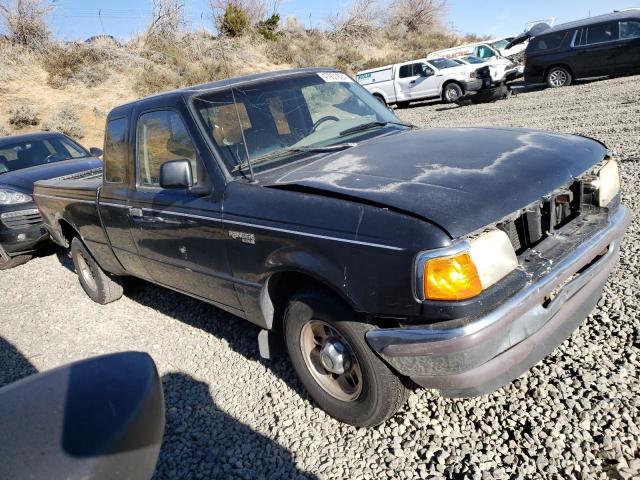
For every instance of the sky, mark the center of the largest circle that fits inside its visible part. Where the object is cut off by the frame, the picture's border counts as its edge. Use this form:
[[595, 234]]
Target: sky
[[80, 19]]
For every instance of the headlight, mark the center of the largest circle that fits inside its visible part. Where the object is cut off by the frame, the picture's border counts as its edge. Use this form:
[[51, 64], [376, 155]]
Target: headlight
[[9, 197], [482, 262], [608, 182]]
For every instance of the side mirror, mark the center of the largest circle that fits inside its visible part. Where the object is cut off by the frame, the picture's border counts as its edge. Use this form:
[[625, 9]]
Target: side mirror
[[176, 174], [101, 418], [96, 152]]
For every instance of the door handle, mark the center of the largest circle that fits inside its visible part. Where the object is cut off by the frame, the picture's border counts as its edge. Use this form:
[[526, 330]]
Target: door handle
[[135, 212], [412, 82]]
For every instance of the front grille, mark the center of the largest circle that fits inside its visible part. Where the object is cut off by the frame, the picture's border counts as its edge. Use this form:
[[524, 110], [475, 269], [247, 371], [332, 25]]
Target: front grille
[[541, 219], [21, 219]]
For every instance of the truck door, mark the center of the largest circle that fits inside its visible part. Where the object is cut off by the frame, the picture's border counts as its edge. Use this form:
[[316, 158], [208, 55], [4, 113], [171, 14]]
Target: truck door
[[595, 55], [628, 55], [427, 85], [178, 232], [415, 81], [114, 195]]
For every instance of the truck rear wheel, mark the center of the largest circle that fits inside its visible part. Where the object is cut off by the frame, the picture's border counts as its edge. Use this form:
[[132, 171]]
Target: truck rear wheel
[[97, 284], [327, 347], [559, 77]]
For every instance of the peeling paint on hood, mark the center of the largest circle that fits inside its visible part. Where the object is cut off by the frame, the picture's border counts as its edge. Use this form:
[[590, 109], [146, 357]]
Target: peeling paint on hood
[[459, 178]]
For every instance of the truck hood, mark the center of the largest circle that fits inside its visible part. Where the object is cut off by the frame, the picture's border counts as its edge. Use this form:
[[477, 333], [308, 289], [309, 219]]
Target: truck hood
[[461, 179], [23, 180]]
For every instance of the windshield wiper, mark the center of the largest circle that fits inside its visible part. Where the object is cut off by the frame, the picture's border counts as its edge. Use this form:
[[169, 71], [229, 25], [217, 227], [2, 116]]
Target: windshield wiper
[[288, 150], [370, 125]]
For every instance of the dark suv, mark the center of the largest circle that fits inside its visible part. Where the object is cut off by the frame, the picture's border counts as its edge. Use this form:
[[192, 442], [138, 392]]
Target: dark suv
[[594, 47]]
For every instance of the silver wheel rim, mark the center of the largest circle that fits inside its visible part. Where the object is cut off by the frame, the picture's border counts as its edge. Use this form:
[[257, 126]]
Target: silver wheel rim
[[331, 361], [86, 272], [452, 94], [558, 78]]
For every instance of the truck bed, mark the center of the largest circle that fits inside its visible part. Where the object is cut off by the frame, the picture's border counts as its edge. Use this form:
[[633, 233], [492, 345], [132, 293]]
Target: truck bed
[[71, 201], [81, 186]]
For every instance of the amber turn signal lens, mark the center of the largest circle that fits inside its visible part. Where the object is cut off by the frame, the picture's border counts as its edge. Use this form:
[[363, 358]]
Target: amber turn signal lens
[[451, 278]]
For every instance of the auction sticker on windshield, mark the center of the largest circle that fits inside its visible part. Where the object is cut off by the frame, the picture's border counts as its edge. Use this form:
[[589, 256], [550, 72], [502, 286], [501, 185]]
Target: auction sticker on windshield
[[334, 77]]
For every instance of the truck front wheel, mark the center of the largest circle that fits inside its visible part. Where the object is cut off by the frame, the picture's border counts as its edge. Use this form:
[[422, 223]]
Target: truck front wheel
[[327, 347], [97, 284], [452, 92]]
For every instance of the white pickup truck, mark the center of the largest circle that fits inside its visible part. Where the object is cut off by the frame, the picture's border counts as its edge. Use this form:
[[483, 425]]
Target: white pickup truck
[[424, 79]]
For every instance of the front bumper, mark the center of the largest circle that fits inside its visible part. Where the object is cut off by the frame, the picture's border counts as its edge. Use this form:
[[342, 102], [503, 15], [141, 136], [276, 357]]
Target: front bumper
[[470, 357], [21, 234], [476, 84]]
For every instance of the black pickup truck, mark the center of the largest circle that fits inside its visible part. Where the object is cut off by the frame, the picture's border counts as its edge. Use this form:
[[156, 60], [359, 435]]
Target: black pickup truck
[[379, 252]]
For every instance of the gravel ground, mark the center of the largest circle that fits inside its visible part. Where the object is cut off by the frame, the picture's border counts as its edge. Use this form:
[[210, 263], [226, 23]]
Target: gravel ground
[[230, 414]]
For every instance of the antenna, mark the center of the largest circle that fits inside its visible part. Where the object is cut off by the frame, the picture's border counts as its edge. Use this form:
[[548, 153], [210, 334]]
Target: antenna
[[235, 104]]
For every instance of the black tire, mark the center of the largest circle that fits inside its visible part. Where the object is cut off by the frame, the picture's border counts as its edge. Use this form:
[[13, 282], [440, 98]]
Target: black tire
[[14, 261], [558, 77], [452, 92], [97, 284], [382, 392]]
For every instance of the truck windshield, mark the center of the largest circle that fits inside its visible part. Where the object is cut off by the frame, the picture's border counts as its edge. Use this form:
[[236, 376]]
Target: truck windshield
[[443, 63], [474, 60], [26, 154], [281, 119], [499, 44]]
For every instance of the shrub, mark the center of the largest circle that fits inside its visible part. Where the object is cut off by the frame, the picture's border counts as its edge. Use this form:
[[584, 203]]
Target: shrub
[[26, 21], [359, 22], [3, 131], [416, 15], [235, 21], [24, 116], [66, 121], [268, 28], [168, 20], [76, 61]]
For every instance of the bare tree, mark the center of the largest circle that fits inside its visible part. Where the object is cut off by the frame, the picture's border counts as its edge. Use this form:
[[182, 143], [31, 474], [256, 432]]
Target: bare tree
[[26, 21], [358, 22], [168, 20], [416, 14]]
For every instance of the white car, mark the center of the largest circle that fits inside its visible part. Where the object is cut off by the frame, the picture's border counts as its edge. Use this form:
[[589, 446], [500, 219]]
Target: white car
[[502, 69], [424, 79]]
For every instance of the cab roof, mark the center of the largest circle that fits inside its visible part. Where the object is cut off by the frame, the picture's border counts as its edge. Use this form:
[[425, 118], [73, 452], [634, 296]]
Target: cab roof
[[615, 16]]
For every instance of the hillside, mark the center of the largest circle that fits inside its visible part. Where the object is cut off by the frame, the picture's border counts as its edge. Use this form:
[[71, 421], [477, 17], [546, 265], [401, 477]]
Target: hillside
[[72, 86]]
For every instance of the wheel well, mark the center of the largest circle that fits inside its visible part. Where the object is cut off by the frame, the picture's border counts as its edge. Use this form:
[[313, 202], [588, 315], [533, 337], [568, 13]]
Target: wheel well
[[562, 65], [68, 232], [379, 95], [449, 82], [283, 285]]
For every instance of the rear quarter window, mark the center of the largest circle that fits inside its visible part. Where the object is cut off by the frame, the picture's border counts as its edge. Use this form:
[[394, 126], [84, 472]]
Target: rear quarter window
[[115, 151], [548, 42]]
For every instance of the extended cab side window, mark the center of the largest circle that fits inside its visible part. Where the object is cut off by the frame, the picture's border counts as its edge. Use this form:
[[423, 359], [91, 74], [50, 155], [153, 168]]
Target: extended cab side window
[[161, 137], [629, 29], [115, 151]]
